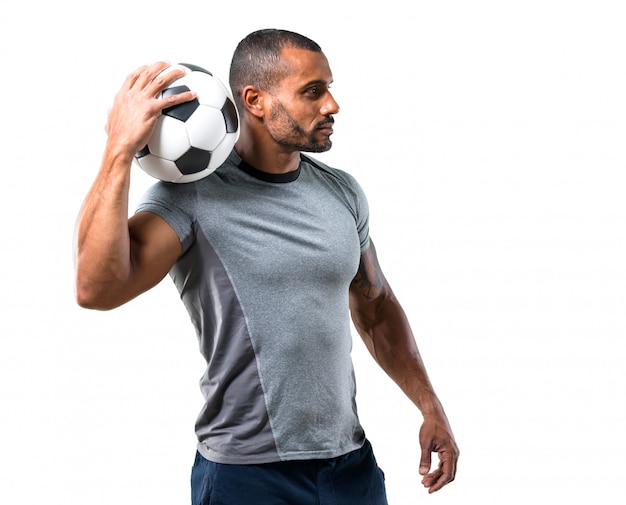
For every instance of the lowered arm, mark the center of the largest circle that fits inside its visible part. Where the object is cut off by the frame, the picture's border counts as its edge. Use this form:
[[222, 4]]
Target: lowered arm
[[382, 324]]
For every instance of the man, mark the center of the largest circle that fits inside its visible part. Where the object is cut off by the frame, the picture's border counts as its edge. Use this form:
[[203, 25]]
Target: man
[[271, 254]]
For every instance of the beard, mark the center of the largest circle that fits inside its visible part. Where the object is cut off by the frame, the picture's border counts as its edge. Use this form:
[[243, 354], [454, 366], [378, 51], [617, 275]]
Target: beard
[[286, 131]]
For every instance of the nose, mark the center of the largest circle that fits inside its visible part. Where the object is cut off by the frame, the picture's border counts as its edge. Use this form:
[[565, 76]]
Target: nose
[[330, 106]]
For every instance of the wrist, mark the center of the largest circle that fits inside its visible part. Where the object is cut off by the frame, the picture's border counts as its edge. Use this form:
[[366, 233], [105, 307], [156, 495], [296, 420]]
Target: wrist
[[119, 154], [430, 406]]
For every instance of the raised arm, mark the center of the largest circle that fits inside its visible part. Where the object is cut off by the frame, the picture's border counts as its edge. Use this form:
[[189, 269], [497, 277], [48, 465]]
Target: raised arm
[[383, 325], [116, 258]]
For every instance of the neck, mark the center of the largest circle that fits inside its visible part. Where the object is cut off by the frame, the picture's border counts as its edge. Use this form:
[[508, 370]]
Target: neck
[[266, 156]]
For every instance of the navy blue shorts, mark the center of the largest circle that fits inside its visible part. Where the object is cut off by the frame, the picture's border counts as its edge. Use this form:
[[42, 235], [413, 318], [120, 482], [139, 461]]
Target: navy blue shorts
[[352, 479]]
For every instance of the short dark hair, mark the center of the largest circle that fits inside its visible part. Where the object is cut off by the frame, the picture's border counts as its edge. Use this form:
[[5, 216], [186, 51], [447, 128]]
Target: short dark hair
[[257, 59]]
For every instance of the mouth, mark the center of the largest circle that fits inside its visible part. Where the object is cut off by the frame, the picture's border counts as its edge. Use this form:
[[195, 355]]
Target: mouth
[[326, 126]]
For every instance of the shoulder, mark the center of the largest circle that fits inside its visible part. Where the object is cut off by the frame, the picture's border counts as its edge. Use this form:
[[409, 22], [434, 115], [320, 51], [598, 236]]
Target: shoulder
[[186, 194], [335, 176], [171, 192]]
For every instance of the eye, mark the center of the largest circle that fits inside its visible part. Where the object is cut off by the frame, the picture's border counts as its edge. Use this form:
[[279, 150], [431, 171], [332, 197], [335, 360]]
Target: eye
[[316, 90]]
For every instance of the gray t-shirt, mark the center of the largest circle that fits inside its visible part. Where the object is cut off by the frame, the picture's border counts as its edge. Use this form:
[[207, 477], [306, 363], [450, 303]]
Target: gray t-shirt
[[266, 266]]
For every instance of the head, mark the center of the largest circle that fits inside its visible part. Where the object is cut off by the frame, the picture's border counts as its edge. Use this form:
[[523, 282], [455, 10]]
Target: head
[[281, 79]]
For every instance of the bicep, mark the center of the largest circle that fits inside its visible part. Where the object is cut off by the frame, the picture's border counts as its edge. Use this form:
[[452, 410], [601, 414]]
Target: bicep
[[154, 248], [368, 289]]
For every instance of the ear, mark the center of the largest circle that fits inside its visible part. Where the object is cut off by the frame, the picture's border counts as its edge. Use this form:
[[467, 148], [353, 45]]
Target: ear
[[253, 100]]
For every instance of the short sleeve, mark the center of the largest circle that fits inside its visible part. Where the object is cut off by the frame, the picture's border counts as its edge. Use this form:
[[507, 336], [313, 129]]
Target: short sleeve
[[171, 202], [363, 215]]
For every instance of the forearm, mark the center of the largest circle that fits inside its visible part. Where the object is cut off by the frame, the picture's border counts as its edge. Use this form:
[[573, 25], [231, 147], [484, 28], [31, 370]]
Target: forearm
[[101, 241], [389, 339]]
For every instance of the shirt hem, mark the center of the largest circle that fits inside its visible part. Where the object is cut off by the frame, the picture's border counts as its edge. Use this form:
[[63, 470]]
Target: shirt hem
[[259, 459]]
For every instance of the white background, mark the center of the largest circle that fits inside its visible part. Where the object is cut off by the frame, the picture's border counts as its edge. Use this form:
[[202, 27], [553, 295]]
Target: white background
[[489, 137]]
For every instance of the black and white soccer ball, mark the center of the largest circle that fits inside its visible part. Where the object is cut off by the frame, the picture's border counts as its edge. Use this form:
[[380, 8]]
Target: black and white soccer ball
[[193, 139]]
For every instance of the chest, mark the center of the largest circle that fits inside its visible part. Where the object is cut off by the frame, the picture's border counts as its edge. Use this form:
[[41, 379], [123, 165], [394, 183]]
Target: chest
[[282, 234]]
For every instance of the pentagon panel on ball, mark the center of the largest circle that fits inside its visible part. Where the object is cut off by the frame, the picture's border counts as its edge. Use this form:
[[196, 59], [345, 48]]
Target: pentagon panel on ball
[[191, 140]]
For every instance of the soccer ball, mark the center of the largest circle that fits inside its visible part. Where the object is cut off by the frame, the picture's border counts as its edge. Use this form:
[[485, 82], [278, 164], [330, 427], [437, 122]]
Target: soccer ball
[[193, 139]]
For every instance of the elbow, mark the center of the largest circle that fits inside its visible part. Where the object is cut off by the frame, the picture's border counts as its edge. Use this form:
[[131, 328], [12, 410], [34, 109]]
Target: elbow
[[95, 288], [95, 299], [86, 301], [368, 313]]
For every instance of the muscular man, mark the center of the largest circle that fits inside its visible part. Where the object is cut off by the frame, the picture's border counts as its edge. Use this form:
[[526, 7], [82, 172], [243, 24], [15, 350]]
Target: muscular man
[[271, 255]]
